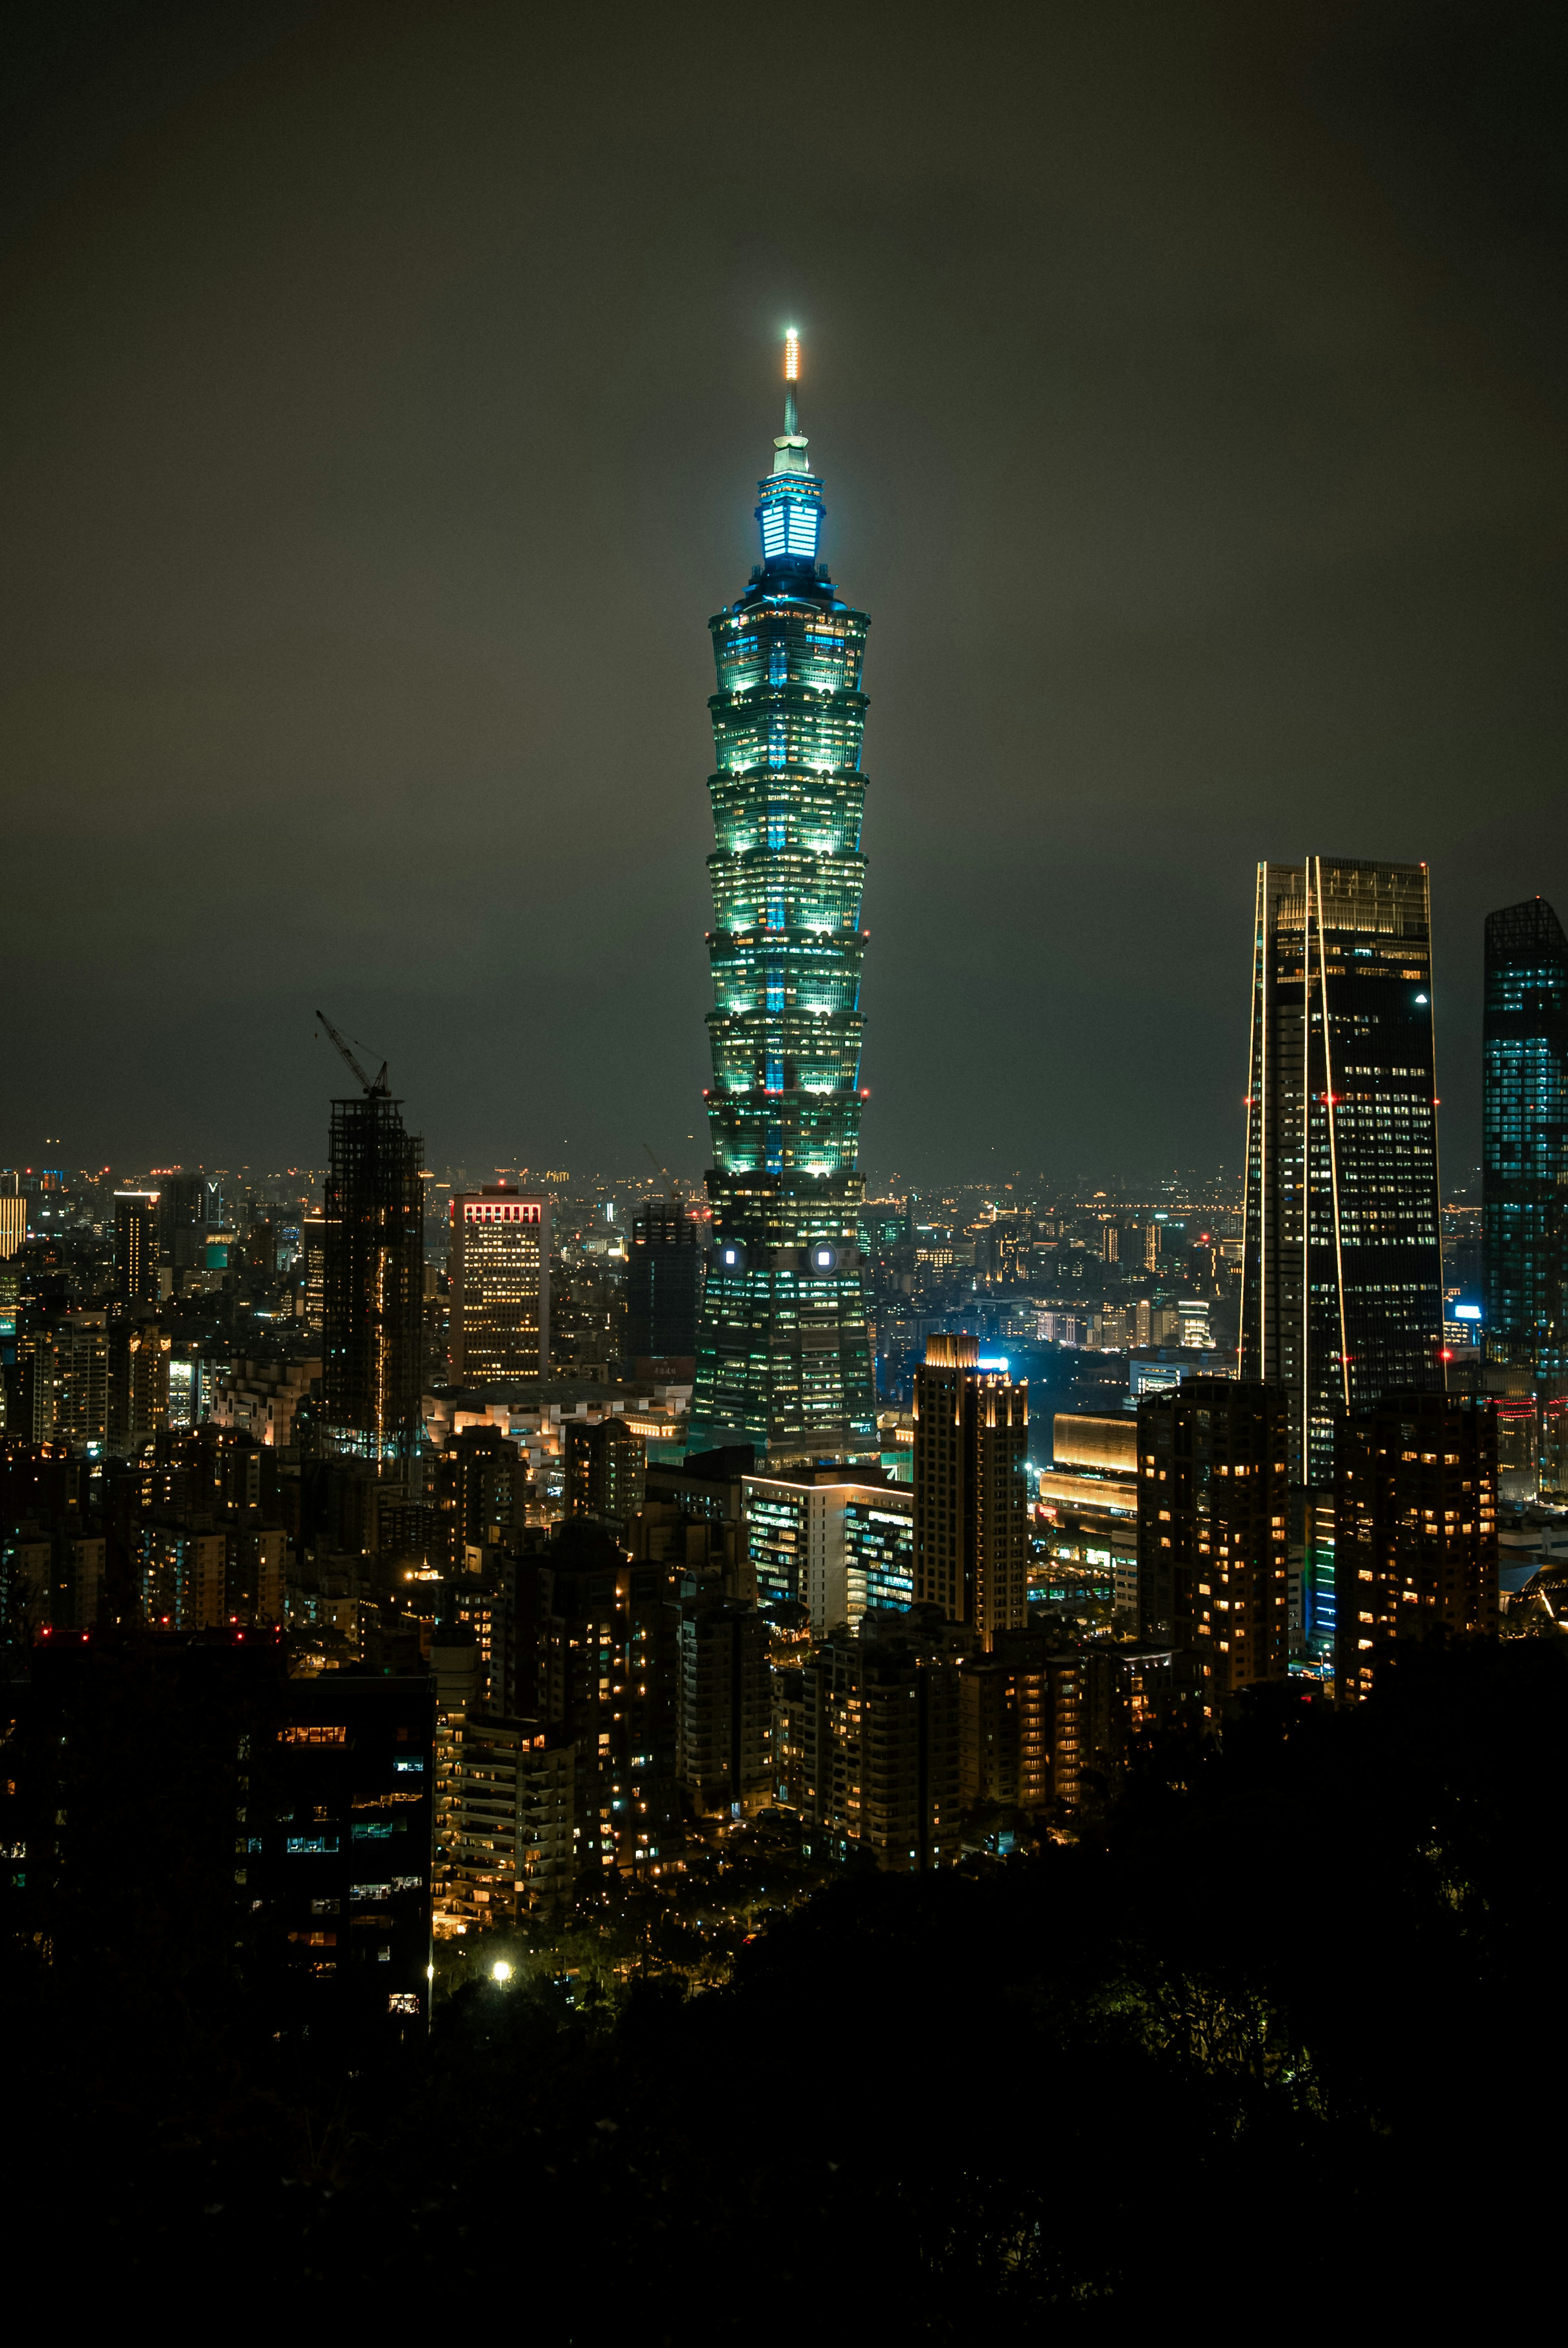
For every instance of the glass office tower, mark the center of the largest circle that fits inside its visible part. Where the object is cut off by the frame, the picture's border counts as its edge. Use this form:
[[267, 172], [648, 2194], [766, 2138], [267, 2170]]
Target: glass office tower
[[783, 1351], [1524, 1142], [1342, 1291]]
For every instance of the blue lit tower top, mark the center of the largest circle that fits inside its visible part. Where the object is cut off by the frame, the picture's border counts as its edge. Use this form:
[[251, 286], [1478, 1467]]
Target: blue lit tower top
[[786, 951]]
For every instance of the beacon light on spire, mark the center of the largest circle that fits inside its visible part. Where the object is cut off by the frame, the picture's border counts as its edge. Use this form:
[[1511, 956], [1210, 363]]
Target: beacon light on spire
[[792, 356]]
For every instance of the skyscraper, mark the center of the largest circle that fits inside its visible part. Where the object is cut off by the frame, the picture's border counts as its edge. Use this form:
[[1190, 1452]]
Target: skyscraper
[[662, 1286], [136, 1246], [971, 1496], [1524, 1142], [1342, 1292], [190, 1207], [372, 1281], [500, 1325], [782, 1352]]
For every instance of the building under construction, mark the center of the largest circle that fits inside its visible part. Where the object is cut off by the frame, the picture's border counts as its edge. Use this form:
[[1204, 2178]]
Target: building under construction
[[373, 1263]]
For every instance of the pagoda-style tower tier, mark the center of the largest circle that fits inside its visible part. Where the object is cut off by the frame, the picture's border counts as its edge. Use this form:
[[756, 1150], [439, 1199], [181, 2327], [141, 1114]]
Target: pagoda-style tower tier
[[784, 1356]]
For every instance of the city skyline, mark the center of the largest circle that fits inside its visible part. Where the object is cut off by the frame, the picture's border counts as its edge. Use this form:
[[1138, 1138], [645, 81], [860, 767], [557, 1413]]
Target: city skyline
[[795, 1400], [301, 657]]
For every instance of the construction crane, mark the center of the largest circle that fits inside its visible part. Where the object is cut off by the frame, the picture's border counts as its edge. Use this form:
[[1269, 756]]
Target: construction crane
[[370, 1089], [675, 1189]]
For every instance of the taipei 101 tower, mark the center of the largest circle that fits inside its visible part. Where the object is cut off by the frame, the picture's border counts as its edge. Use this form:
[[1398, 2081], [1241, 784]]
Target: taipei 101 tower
[[784, 1357]]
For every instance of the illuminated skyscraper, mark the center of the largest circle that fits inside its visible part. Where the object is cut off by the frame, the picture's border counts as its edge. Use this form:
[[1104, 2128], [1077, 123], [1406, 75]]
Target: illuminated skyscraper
[[500, 1325], [136, 1246], [782, 1351], [1342, 1295], [1525, 1142], [971, 1490]]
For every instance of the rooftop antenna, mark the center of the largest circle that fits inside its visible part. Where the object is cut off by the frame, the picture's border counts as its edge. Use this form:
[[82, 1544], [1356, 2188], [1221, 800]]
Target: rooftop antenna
[[372, 1090]]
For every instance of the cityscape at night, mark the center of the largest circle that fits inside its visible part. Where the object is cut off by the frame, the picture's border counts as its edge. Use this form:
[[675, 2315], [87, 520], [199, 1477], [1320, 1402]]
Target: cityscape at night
[[709, 1622]]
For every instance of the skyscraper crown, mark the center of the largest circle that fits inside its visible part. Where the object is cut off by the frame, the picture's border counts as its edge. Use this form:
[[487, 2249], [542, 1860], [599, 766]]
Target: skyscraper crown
[[789, 513]]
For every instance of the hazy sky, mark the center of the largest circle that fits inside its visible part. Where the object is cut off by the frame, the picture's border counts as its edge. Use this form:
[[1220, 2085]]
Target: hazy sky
[[383, 393]]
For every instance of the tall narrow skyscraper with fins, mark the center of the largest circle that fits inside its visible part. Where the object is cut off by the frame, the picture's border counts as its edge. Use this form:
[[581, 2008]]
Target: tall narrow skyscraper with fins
[[1342, 1278], [784, 1357]]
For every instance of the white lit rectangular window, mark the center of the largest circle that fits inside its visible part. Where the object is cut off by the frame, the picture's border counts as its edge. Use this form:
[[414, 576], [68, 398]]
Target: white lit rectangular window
[[803, 530]]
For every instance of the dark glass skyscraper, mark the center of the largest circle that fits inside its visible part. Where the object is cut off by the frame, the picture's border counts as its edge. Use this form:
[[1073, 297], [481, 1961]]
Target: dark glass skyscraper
[[1525, 1142], [782, 1351], [1342, 1293], [661, 1284]]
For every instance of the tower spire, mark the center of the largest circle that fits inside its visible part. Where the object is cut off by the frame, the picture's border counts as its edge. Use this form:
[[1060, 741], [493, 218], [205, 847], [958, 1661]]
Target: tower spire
[[792, 376]]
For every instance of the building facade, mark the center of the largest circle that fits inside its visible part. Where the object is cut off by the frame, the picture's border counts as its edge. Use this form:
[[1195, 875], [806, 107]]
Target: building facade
[[809, 1537], [784, 1356], [970, 1489], [1021, 1723], [663, 1283], [1416, 1530], [1213, 1558], [1342, 1284], [373, 1262], [1524, 1143], [500, 1326], [724, 1743], [604, 1472], [136, 1246], [879, 1551], [870, 1740], [505, 1820]]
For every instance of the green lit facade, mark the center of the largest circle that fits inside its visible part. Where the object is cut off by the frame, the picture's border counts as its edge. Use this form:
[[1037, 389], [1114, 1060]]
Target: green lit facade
[[784, 1356]]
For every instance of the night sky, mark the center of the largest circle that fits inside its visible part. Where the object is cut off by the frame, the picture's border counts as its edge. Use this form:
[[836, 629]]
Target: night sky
[[383, 393]]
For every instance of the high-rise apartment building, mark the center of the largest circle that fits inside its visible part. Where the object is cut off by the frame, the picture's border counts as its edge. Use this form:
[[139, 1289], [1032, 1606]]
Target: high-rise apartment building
[[1342, 1289], [1212, 1527], [1415, 1530], [869, 1740], [1021, 1730], [971, 1490], [139, 1384], [1524, 1142], [500, 1272], [805, 1539], [505, 1825], [81, 1380], [784, 1356], [372, 1281], [724, 1732], [604, 1471], [598, 1641], [662, 1285], [879, 1551], [477, 1483], [136, 1246]]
